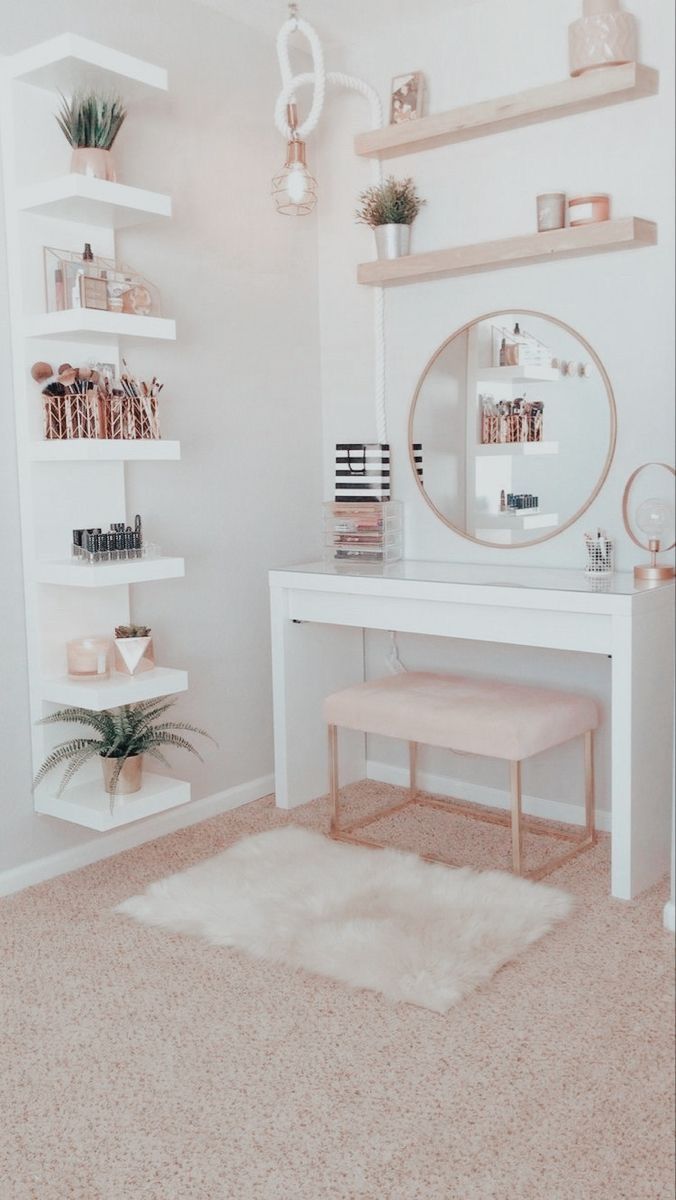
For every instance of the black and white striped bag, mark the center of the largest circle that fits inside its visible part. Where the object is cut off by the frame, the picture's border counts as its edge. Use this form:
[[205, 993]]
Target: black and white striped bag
[[363, 472], [418, 460]]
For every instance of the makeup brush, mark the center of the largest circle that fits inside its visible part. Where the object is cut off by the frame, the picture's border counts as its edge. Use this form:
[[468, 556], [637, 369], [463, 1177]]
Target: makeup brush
[[41, 371]]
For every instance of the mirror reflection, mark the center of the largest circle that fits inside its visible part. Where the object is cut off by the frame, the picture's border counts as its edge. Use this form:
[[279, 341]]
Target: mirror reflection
[[517, 423]]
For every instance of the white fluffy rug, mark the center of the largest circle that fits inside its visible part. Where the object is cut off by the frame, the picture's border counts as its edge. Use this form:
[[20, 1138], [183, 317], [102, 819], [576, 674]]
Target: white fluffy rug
[[416, 931]]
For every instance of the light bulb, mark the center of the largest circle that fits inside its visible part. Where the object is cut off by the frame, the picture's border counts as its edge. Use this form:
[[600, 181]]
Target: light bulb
[[294, 189], [653, 516], [298, 183]]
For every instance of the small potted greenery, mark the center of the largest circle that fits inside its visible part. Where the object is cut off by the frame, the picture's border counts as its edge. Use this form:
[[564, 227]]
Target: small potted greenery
[[91, 122], [390, 208], [133, 649], [123, 738]]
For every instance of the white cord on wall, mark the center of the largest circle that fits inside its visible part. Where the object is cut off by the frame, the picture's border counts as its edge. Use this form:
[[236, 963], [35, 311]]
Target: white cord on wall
[[319, 78]]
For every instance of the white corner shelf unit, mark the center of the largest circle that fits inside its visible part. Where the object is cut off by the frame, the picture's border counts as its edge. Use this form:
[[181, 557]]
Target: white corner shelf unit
[[46, 205]]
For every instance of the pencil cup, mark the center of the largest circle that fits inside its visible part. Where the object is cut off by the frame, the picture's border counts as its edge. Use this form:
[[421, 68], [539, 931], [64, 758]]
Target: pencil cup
[[599, 557]]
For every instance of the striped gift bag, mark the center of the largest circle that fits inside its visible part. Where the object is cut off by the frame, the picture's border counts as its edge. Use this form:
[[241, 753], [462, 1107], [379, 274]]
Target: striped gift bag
[[416, 447], [363, 472]]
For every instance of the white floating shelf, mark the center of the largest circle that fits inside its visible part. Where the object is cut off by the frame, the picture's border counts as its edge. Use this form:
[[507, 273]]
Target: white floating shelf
[[70, 63], [518, 375], [93, 201], [92, 575], [93, 325], [517, 449], [89, 804], [104, 450], [117, 689], [518, 520]]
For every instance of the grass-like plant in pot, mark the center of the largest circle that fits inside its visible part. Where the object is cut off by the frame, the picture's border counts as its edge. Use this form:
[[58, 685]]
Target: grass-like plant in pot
[[91, 122], [124, 736], [390, 208]]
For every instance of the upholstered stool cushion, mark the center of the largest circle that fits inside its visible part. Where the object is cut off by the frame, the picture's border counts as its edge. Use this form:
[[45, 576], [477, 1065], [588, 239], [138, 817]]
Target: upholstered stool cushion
[[499, 720]]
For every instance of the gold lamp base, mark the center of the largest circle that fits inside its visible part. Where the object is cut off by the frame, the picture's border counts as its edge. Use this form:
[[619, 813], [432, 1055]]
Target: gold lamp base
[[654, 573]]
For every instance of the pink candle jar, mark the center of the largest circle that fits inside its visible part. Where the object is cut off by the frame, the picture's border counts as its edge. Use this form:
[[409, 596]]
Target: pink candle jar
[[88, 658], [587, 210]]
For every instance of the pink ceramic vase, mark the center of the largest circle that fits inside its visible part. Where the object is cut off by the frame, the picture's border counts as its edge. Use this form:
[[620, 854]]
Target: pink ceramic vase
[[604, 36]]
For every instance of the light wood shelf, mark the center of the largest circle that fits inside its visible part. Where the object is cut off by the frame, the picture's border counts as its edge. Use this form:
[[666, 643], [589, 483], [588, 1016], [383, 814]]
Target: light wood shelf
[[594, 89], [92, 201], [89, 804], [625, 233], [105, 450]]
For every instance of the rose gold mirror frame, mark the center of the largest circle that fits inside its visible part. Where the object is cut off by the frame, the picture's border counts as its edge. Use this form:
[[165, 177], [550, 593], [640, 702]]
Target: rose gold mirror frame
[[517, 312]]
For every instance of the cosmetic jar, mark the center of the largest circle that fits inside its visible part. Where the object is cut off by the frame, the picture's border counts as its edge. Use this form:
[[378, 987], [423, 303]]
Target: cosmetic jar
[[88, 657], [551, 208], [588, 210]]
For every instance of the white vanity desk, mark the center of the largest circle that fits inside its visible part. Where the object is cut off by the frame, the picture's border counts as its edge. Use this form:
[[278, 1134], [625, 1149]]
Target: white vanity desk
[[558, 609]]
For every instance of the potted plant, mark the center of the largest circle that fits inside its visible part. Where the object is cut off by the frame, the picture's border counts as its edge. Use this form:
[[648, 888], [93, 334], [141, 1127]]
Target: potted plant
[[390, 208], [133, 649], [91, 122], [123, 737]]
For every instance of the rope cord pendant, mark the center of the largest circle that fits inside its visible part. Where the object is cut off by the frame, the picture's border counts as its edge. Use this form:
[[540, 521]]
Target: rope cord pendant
[[319, 78]]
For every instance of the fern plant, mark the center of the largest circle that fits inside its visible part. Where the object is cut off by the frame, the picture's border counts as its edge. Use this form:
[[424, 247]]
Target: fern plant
[[122, 733], [89, 119], [394, 202]]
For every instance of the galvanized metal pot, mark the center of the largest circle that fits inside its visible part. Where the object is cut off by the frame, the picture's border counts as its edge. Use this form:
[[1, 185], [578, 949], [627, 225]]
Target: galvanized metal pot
[[392, 241]]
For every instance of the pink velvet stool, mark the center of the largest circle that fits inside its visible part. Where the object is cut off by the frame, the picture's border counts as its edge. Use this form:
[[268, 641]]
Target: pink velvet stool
[[471, 716]]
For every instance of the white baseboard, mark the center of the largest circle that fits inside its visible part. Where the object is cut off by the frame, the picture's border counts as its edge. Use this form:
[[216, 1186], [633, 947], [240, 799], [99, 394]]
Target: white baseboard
[[670, 916], [106, 845], [475, 793]]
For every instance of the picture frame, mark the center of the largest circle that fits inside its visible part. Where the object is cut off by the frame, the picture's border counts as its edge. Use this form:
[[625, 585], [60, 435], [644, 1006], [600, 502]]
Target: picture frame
[[407, 97]]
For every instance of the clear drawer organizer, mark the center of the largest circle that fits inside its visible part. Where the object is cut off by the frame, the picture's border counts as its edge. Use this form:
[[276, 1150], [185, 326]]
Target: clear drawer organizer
[[363, 533]]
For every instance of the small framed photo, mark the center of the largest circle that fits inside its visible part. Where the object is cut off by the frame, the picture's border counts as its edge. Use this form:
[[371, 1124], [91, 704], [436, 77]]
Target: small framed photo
[[408, 92]]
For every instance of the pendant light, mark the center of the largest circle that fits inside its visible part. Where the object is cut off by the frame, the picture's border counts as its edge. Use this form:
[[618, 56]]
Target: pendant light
[[294, 189]]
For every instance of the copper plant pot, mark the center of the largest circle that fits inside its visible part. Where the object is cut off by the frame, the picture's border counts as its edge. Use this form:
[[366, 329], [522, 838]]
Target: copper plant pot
[[93, 161], [129, 779]]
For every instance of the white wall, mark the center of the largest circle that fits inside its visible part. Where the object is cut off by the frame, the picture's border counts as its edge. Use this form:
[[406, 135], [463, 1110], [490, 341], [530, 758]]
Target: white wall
[[241, 388], [484, 189]]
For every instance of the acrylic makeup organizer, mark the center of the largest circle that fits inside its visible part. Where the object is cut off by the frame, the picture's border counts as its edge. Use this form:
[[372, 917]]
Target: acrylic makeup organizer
[[46, 205]]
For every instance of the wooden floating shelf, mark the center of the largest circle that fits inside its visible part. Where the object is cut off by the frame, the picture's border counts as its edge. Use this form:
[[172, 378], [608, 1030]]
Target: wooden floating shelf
[[517, 449], [626, 233], [94, 325], [518, 375], [105, 450], [117, 689], [70, 63], [93, 202], [88, 804], [111, 574], [594, 89]]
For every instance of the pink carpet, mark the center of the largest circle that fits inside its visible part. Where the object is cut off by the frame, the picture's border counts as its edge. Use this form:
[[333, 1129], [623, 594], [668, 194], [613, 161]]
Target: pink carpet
[[142, 1065]]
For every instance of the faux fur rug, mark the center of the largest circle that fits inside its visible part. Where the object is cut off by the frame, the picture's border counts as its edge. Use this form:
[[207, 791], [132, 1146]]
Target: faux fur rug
[[417, 932]]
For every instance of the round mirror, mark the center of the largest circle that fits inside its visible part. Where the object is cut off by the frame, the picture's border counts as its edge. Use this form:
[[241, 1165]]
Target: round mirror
[[512, 428]]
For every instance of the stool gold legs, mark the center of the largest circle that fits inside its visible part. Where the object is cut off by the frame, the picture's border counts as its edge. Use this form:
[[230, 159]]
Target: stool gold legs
[[517, 833], [412, 769], [589, 783], [351, 830], [333, 778]]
